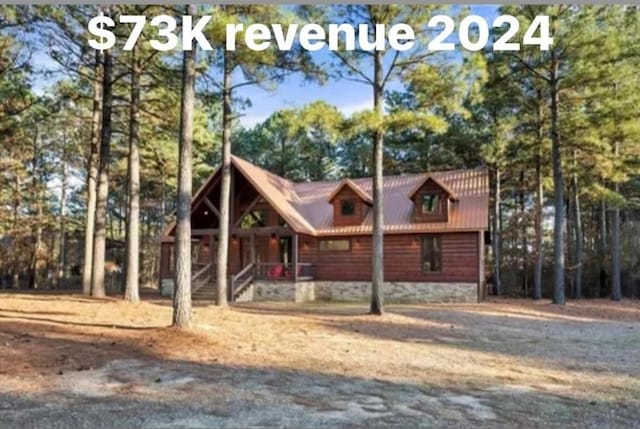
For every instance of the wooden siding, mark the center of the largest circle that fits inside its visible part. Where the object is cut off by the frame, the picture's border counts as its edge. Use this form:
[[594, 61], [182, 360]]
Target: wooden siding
[[431, 188], [402, 258], [360, 209]]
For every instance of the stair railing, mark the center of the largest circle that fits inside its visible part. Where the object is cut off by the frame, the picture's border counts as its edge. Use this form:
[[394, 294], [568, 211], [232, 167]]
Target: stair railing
[[200, 278], [242, 280]]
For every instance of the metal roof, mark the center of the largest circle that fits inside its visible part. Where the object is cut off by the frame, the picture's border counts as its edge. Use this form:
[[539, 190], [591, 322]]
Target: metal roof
[[306, 208]]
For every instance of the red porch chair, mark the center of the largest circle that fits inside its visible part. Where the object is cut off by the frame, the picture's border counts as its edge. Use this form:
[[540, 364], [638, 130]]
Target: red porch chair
[[275, 272]]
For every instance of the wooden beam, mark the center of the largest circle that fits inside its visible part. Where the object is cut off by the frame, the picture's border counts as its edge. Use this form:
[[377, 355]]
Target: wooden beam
[[205, 193], [211, 207], [203, 231], [232, 203], [246, 232], [253, 248], [294, 257], [247, 210], [232, 199], [481, 275], [213, 255]]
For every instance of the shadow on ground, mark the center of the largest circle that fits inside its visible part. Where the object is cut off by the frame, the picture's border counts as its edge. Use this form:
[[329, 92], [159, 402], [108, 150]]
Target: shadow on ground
[[133, 386]]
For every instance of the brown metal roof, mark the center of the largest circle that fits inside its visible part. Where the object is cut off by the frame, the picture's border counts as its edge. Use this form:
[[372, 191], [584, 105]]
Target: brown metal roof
[[306, 208]]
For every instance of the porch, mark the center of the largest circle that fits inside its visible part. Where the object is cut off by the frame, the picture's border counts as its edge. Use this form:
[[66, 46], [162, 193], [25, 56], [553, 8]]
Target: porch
[[262, 243], [265, 255]]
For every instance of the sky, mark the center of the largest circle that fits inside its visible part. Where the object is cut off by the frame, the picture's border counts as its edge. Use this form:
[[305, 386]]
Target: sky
[[347, 96]]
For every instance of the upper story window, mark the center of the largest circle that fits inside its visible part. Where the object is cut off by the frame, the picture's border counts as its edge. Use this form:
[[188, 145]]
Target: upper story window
[[255, 219], [431, 203], [348, 207]]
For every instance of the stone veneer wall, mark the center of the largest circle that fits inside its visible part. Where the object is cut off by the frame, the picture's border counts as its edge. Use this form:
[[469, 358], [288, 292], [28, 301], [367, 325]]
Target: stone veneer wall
[[405, 292], [284, 291], [166, 287]]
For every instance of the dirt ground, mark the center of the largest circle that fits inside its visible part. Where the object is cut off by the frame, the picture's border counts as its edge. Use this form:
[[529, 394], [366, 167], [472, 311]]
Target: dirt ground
[[72, 362]]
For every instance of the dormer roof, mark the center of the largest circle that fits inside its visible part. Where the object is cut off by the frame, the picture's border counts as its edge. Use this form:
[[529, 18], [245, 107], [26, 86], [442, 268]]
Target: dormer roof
[[438, 183], [354, 187]]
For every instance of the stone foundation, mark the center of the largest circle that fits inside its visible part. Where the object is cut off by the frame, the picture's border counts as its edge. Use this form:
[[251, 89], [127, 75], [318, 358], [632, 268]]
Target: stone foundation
[[166, 287], [401, 292], [284, 291], [305, 291]]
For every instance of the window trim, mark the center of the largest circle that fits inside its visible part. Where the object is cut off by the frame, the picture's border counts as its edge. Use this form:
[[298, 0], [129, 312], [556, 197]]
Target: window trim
[[353, 203], [423, 241], [320, 249]]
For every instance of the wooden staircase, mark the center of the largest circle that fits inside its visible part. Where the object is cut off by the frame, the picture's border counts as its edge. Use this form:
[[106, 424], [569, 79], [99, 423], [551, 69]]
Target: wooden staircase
[[206, 292], [203, 287], [203, 284]]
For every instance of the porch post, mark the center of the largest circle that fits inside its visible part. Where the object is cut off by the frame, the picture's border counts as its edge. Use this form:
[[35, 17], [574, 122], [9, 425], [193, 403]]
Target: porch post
[[294, 258], [253, 247], [481, 275], [212, 256], [232, 203]]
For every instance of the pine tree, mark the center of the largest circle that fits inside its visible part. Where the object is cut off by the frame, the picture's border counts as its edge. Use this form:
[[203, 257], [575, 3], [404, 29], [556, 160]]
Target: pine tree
[[182, 292]]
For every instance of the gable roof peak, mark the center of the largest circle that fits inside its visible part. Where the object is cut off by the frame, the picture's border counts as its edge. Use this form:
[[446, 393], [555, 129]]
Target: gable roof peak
[[354, 187], [439, 183]]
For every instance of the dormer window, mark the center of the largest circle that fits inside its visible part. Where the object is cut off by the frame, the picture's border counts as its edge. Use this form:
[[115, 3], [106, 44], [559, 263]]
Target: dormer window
[[347, 207], [430, 203], [350, 203], [431, 199]]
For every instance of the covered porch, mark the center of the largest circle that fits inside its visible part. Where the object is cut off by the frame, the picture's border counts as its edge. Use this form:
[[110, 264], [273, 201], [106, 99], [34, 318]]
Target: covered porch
[[262, 245], [257, 254]]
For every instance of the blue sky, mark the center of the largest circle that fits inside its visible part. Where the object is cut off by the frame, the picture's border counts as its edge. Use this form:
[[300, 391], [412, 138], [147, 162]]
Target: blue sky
[[347, 96]]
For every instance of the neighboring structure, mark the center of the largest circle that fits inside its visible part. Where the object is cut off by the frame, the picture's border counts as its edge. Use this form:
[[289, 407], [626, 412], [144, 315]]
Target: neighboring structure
[[306, 241]]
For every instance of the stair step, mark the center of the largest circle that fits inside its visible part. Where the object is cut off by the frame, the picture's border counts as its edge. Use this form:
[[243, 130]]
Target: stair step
[[207, 292]]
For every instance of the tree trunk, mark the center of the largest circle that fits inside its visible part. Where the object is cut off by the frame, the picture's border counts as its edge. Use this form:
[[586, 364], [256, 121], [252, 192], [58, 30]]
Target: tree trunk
[[99, 234], [537, 285], [377, 280], [616, 278], [523, 238], [497, 290], [578, 239], [603, 248], [34, 282], [558, 191], [133, 213], [92, 174], [182, 291], [15, 273], [569, 241], [63, 208], [225, 187]]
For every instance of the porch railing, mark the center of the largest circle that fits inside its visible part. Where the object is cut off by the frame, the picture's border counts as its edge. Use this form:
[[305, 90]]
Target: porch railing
[[279, 271]]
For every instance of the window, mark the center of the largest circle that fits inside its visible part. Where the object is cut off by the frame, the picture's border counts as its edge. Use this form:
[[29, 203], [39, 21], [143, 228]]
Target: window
[[348, 207], [430, 203], [255, 219], [431, 254], [333, 245]]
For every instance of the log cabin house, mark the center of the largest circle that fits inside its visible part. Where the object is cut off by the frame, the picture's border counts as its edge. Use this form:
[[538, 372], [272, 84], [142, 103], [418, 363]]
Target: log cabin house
[[312, 240]]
